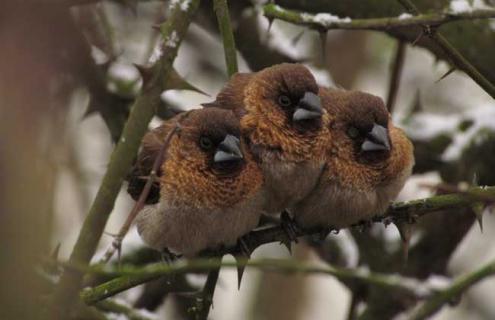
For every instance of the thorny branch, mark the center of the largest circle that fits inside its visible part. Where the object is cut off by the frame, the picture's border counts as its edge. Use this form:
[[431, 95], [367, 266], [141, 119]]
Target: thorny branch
[[402, 284], [154, 80], [452, 54], [429, 22], [458, 286], [322, 22], [117, 242], [401, 212]]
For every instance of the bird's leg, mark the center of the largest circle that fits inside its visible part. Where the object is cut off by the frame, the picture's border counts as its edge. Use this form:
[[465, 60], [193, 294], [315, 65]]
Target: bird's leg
[[290, 228]]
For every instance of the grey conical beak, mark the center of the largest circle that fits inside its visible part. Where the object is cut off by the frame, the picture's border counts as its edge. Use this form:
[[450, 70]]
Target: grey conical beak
[[228, 150], [377, 139], [309, 107]]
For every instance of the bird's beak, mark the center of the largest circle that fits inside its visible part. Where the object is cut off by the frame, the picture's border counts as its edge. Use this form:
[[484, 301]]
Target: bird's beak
[[228, 150], [309, 107], [376, 139]]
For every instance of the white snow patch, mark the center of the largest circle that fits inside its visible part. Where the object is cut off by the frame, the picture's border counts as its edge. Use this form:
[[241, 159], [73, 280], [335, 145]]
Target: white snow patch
[[172, 40], [325, 19], [157, 52], [460, 6], [123, 71], [483, 117], [437, 282], [405, 16], [323, 77], [98, 55], [425, 126], [184, 4]]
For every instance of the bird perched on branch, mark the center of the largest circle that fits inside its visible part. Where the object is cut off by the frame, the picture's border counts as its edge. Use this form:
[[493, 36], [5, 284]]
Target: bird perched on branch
[[208, 191], [286, 128], [367, 163]]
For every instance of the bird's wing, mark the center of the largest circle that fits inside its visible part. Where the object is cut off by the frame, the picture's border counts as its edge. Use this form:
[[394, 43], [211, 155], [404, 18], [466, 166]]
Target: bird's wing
[[232, 95], [150, 148]]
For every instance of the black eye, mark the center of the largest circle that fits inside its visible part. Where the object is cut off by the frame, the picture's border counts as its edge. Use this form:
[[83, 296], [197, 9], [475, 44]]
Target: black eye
[[205, 143], [284, 101], [353, 132]]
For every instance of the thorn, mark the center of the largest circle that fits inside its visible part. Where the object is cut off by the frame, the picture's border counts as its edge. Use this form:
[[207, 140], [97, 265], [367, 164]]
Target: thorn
[[298, 37], [475, 181], [478, 210], [287, 244], [145, 72], [270, 23], [176, 82], [55, 252], [446, 74], [241, 254], [323, 42], [241, 266], [405, 231], [415, 42], [91, 108]]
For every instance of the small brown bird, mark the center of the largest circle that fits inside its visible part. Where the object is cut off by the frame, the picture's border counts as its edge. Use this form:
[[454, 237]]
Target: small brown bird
[[285, 126], [368, 162], [208, 193]]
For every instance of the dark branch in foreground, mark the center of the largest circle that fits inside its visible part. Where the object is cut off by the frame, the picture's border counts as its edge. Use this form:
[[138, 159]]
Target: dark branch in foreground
[[407, 212]]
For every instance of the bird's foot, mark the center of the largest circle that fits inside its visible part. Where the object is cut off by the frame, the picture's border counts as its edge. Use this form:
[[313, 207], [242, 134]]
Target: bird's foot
[[169, 257], [290, 228]]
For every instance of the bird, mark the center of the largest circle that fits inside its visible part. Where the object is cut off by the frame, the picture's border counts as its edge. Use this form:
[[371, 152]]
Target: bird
[[208, 192], [368, 160], [285, 126]]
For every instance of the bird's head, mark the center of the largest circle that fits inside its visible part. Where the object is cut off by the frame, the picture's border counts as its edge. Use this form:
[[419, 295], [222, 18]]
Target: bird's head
[[286, 95], [207, 161], [364, 141]]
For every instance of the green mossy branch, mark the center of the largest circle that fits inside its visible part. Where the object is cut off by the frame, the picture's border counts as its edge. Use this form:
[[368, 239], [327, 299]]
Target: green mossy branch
[[273, 11], [400, 212], [225, 27], [173, 31], [156, 270], [428, 22], [458, 286]]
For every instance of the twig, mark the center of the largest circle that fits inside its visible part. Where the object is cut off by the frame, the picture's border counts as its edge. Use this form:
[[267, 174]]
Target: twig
[[222, 12], [206, 302], [321, 22], [459, 286], [90, 296], [455, 57], [142, 111], [117, 242], [394, 84]]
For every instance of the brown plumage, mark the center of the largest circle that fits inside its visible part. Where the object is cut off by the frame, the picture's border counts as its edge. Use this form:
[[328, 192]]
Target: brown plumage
[[368, 162], [282, 119], [209, 188]]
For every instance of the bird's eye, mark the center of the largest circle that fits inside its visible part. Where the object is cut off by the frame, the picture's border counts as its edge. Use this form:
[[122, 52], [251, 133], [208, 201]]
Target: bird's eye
[[353, 132], [284, 101], [205, 143]]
